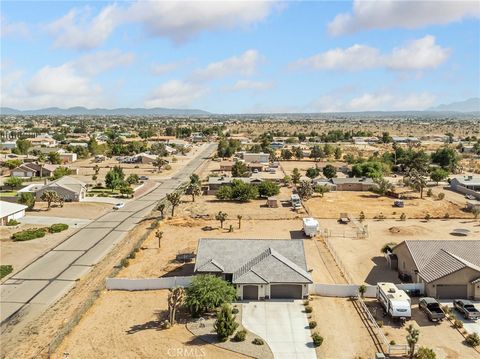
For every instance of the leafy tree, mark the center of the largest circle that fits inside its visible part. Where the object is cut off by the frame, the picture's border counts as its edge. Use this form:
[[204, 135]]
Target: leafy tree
[[54, 158], [287, 180], [132, 179], [317, 153], [416, 180], [305, 190], [50, 197], [11, 164], [412, 339], [224, 192], [159, 149], [338, 153], [207, 292], [321, 189], [13, 182], [438, 174], [268, 189], [386, 138], [382, 187], [93, 147], [296, 176], [297, 152], [371, 169], [125, 189], [238, 191], [28, 199], [329, 171], [312, 172], [425, 353], [328, 149], [286, 154], [446, 157], [61, 171], [22, 146], [159, 163], [221, 217], [174, 199], [226, 148], [240, 169], [113, 179], [225, 325]]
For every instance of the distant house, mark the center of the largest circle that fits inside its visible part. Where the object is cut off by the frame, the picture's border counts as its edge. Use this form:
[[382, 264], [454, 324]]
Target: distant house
[[352, 184], [226, 166], [68, 157], [467, 185], [11, 211], [8, 145], [42, 141], [32, 169], [256, 157], [405, 140], [258, 268], [145, 158], [68, 188], [365, 140], [448, 268]]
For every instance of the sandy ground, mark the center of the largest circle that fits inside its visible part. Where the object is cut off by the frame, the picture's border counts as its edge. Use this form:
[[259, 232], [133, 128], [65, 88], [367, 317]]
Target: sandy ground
[[87, 210], [442, 337], [126, 325], [362, 257], [335, 316], [334, 203]]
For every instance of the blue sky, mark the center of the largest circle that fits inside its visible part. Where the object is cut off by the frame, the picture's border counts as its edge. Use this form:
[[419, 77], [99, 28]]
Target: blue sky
[[240, 57]]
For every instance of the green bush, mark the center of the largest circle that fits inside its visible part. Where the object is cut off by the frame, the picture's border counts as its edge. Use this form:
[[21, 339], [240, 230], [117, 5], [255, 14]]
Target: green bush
[[28, 234], [257, 341], [308, 309], [234, 310], [240, 336], [312, 324], [473, 340], [124, 262], [457, 324], [12, 222], [58, 227], [317, 339], [5, 269]]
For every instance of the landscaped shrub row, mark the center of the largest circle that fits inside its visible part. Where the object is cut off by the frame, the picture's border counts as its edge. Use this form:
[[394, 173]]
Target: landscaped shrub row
[[58, 227], [12, 222], [28, 234], [317, 339]]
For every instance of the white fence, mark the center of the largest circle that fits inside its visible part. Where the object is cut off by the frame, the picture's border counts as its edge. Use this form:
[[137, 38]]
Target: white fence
[[351, 290], [147, 284]]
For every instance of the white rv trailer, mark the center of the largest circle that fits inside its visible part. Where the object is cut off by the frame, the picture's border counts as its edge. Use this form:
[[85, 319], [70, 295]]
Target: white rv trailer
[[396, 302], [310, 227]]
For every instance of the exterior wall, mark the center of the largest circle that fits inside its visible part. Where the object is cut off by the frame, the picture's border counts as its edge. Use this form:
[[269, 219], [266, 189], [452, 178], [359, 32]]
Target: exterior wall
[[354, 187], [405, 261], [463, 276], [23, 174]]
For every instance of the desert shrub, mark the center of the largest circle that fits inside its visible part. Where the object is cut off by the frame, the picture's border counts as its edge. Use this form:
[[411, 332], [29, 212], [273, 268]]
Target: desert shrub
[[457, 324], [447, 215], [392, 342], [429, 192], [473, 340], [5, 269], [428, 217], [317, 339], [308, 309], [403, 217], [380, 323], [441, 196], [28, 234], [257, 341], [124, 262], [425, 353], [13, 222], [240, 336], [168, 167], [312, 324], [306, 302], [58, 227], [234, 310], [132, 255]]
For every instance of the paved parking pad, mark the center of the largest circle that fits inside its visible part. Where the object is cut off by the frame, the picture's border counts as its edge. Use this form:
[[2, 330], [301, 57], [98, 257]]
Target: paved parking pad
[[283, 325]]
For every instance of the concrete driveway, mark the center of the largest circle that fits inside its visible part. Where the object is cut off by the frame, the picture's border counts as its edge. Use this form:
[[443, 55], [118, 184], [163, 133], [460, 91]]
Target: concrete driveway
[[283, 325], [47, 221], [471, 326]]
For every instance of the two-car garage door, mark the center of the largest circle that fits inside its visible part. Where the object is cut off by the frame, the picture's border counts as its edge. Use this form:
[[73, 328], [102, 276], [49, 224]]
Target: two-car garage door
[[285, 291], [451, 291]]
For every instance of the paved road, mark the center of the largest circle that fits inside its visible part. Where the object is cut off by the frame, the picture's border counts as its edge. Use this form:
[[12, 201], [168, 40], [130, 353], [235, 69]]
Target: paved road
[[49, 277]]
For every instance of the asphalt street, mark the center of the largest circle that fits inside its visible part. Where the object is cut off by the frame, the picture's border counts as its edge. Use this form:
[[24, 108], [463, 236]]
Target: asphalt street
[[52, 275]]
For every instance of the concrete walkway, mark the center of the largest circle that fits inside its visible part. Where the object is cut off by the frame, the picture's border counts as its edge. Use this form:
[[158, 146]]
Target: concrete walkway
[[283, 325]]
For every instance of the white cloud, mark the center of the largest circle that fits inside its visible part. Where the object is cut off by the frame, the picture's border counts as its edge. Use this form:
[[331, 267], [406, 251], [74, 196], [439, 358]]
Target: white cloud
[[419, 54], [384, 14], [76, 30], [244, 64], [175, 94], [163, 68], [249, 85], [376, 101], [102, 61], [17, 29], [175, 20]]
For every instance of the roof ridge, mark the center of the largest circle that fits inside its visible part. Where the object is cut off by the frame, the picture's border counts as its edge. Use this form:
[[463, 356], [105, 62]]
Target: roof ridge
[[290, 264], [249, 264]]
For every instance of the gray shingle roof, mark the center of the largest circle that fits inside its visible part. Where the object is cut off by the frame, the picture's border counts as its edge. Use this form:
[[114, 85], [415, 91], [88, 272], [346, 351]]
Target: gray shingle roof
[[256, 260], [438, 258]]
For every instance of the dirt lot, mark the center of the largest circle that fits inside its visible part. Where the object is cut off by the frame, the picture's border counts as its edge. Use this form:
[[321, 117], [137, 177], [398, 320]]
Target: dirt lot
[[86, 210], [362, 258], [334, 203], [126, 325], [442, 338], [337, 315]]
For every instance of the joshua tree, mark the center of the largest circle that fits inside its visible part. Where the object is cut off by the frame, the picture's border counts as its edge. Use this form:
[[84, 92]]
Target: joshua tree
[[174, 199], [362, 216], [159, 235], [412, 339], [239, 217], [194, 189], [175, 300], [161, 208], [49, 197], [296, 176], [221, 216], [476, 212], [362, 289]]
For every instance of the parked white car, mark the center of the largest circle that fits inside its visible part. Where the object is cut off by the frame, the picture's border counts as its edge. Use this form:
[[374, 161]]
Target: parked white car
[[119, 205]]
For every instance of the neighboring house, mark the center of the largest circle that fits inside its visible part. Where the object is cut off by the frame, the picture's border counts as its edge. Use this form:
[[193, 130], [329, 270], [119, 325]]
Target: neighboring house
[[226, 166], [68, 157], [32, 169], [197, 137], [145, 158], [165, 139], [448, 268], [23, 171], [252, 166], [467, 185], [8, 145], [365, 140], [42, 141], [9, 211], [352, 184], [68, 188], [214, 183], [400, 139], [256, 157], [258, 268]]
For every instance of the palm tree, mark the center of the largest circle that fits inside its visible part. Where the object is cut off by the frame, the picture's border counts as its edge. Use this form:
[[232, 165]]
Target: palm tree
[[221, 216], [239, 217], [174, 199]]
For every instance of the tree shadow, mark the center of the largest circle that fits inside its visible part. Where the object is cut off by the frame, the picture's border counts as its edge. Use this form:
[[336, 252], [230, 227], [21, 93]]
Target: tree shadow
[[151, 324]]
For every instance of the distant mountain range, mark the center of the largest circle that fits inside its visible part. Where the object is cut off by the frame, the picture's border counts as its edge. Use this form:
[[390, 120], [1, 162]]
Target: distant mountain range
[[79, 111], [470, 105]]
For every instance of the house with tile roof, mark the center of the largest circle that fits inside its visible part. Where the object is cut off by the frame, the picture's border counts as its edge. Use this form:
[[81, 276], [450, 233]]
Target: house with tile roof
[[258, 268], [448, 268]]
